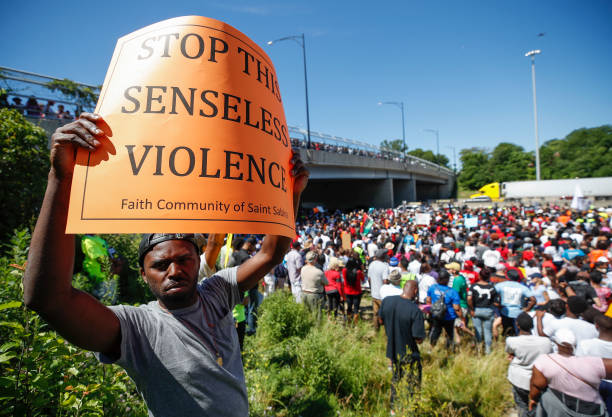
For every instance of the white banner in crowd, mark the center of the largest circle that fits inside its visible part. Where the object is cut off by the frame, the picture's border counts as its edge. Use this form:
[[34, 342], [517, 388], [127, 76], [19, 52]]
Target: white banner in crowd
[[470, 222], [423, 219]]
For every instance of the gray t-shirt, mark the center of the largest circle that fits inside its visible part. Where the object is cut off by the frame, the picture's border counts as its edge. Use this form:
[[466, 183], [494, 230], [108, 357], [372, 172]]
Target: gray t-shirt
[[526, 350], [377, 272], [294, 264], [174, 371]]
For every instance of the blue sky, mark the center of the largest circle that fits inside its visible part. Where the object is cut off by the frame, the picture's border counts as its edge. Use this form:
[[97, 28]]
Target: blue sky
[[458, 66]]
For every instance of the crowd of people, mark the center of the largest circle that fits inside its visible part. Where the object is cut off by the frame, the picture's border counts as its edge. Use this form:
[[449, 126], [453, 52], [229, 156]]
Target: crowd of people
[[349, 150], [538, 278], [35, 107]]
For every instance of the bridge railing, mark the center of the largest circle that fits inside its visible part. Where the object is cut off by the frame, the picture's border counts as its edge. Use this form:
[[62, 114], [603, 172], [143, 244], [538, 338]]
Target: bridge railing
[[339, 144], [33, 95], [37, 95]]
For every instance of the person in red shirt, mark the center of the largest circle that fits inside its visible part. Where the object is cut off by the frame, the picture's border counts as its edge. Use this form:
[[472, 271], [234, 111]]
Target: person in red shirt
[[352, 276], [334, 290], [468, 272], [503, 250], [528, 253], [512, 265], [548, 263]]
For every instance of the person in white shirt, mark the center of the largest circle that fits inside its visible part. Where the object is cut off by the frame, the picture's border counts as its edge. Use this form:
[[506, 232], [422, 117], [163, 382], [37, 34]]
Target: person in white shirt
[[582, 329], [446, 254], [414, 267], [425, 281], [393, 287], [378, 271], [554, 310], [491, 258], [295, 263], [469, 250], [524, 350], [601, 346], [435, 249], [372, 247]]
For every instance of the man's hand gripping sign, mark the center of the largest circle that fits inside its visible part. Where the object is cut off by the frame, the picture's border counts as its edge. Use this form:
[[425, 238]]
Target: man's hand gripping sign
[[195, 137]]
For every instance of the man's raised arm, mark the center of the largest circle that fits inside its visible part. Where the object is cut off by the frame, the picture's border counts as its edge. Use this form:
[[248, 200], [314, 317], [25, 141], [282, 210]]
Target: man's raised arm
[[273, 247], [47, 282]]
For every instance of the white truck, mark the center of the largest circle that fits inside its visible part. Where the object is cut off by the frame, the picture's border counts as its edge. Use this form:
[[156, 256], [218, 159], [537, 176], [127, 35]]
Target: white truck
[[587, 187]]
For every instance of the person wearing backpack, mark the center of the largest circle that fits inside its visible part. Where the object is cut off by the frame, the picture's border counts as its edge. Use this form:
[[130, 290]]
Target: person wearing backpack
[[445, 309]]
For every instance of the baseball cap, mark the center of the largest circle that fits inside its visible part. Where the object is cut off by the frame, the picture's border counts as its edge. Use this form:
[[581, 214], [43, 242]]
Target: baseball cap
[[602, 259], [564, 336], [453, 266], [311, 256], [149, 240], [395, 277], [380, 253], [393, 261]]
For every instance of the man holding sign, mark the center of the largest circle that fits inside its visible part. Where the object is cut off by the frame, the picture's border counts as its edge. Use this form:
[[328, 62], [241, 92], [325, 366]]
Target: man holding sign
[[182, 350]]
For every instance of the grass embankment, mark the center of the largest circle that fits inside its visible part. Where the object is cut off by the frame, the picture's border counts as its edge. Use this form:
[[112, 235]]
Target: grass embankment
[[296, 368]]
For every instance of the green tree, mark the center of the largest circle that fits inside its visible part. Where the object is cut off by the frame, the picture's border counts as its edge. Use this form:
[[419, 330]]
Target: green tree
[[430, 156], [84, 96], [510, 162], [584, 153], [475, 168], [24, 164], [396, 145]]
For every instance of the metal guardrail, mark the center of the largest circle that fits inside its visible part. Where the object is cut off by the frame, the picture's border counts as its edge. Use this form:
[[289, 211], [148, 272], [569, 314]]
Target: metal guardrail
[[368, 147], [26, 84]]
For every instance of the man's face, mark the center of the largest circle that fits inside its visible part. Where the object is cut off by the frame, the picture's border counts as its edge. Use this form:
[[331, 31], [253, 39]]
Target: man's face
[[171, 270]]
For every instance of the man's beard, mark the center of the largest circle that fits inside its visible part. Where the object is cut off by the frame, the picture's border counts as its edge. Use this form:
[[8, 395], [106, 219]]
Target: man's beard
[[177, 300]]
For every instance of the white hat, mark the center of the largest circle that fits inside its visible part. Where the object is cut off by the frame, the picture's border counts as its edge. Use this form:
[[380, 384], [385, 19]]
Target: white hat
[[602, 259], [564, 335]]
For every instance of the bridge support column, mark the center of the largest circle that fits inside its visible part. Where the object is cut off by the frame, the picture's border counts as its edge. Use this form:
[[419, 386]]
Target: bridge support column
[[404, 190], [447, 190], [383, 194]]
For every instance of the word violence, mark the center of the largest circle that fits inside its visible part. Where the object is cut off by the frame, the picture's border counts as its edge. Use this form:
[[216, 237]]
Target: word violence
[[252, 169]]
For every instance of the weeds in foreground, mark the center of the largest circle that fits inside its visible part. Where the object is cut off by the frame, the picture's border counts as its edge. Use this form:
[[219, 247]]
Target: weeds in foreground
[[333, 369], [461, 384]]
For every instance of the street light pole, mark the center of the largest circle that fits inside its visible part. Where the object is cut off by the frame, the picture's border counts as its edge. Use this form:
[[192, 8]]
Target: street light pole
[[454, 159], [532, 55], [300, 40], [400, 105]]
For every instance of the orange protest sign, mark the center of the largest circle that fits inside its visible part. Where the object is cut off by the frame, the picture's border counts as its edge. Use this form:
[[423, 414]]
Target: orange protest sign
[[197, 137]]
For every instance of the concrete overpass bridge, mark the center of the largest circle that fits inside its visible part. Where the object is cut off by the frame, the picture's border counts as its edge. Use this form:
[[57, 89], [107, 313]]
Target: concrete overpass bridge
[[368, 176], [344, 173]]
